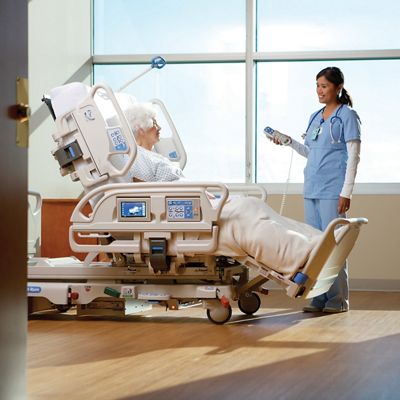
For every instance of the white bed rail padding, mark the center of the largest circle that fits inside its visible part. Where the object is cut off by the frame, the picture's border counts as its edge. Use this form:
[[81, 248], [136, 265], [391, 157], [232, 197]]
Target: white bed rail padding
[[170, 146], [94, 140], [132, 235], [328, 257]]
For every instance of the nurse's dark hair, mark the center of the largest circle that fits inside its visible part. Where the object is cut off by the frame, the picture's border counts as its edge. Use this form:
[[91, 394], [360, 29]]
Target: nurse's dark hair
[[335, 76]]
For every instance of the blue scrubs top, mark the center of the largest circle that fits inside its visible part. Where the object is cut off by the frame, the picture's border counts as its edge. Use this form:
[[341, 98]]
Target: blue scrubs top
[[327, 160]]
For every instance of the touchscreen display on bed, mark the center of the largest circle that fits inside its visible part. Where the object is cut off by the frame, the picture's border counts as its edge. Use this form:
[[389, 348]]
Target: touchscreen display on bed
[[133, 209]]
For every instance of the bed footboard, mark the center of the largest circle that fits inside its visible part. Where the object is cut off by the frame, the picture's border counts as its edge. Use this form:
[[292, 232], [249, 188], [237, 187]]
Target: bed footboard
[[327, 258]]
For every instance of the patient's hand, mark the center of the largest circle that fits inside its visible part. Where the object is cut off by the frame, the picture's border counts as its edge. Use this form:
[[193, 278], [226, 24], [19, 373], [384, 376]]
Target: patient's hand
[[210, 195]]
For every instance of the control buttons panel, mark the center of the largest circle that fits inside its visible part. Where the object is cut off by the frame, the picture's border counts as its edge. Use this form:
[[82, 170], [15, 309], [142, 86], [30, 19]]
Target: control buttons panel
[[183, 209]]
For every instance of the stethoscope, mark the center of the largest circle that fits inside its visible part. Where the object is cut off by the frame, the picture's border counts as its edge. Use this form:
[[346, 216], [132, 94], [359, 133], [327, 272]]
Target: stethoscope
[[317, 131]]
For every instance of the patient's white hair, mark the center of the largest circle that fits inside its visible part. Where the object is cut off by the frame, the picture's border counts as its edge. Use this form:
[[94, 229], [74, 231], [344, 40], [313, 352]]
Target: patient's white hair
[[140, 115]]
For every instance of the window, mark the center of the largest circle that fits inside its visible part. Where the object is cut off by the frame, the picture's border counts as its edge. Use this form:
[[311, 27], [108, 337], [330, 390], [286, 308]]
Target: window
[[168, 26], [206, 103], [286, 98], [305, 25], [224, 81]]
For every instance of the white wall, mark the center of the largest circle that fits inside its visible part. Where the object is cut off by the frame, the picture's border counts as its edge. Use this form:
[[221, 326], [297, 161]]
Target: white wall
[[59, 35], [59, 52]]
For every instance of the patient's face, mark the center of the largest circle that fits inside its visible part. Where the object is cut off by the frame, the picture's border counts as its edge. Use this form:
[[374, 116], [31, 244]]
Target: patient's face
[[152, 135]]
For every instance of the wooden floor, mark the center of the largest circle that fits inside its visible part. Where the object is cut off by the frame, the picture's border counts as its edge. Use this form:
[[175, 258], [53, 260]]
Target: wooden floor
[[280, 353]]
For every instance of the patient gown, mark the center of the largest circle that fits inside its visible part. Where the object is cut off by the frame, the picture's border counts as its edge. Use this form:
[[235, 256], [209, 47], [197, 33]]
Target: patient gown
[[153, 167]]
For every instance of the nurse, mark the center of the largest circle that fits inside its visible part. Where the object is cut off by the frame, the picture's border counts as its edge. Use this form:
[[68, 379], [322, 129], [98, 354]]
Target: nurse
[[332, 148]]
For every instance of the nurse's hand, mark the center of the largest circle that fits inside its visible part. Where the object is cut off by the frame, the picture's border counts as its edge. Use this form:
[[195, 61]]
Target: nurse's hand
[[277, 141], [343, 205], [281, 139]]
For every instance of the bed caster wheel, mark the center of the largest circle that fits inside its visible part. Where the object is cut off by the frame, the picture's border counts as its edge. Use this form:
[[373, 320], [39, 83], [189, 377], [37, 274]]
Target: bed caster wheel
[[249, 303], [62, 308], [219, 315]]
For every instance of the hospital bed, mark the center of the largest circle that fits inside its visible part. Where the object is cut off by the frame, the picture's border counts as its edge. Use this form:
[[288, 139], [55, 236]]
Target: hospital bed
[[34, 208], [161, 238]]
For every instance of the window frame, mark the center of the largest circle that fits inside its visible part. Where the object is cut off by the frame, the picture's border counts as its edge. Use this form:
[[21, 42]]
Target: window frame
[[250, 58]]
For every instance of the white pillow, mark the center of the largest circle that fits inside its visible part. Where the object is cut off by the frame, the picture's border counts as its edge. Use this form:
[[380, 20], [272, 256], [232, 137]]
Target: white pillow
[[65, 98]]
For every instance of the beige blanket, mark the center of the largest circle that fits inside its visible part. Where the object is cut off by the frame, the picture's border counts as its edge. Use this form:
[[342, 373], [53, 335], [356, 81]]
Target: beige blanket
[[248, 226]]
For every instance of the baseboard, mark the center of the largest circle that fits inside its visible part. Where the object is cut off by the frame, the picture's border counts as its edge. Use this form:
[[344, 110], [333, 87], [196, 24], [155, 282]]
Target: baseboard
[[381, 285]]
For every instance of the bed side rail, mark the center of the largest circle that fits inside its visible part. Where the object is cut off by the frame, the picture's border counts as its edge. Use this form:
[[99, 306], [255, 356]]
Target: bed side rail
[[94, 140], [138, 214], [170, 146]]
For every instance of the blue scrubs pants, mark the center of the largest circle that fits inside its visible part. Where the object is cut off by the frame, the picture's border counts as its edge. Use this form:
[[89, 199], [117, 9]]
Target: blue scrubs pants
[[319, 213]]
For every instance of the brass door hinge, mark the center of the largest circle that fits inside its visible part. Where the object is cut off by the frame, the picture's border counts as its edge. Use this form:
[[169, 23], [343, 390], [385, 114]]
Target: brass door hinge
[[21, 112]]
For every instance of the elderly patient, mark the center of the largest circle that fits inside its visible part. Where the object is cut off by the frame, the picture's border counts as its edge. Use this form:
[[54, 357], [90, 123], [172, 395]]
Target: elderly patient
[[148, 165], [248, 226]]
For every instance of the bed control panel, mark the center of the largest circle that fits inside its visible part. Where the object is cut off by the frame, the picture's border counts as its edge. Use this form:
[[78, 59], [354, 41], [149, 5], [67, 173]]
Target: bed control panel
[[183, 209]]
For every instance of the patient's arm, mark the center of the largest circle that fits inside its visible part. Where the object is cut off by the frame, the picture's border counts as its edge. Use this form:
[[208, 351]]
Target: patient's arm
[[152, 167], [166, 171]]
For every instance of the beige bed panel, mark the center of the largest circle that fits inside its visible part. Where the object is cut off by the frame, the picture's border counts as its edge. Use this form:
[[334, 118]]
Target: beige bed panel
[[327, 258]]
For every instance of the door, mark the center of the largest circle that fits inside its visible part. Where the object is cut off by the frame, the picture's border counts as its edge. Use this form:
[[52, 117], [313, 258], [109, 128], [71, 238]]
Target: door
[[13, 201]]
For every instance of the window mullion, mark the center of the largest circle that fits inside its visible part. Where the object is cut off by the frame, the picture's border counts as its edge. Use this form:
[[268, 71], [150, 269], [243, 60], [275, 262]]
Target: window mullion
[[250, 88]]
